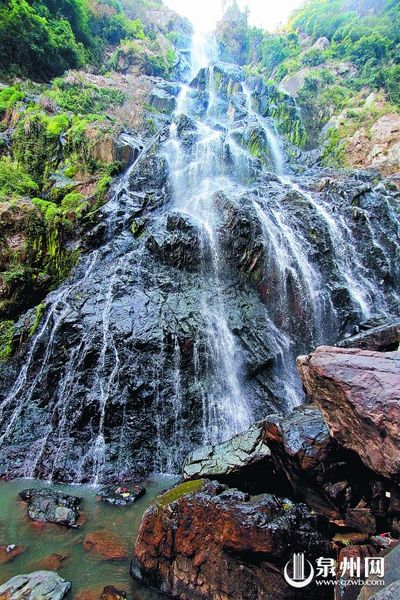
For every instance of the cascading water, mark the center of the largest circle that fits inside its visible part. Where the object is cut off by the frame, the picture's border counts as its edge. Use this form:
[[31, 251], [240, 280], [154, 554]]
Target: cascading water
[[215, 265]]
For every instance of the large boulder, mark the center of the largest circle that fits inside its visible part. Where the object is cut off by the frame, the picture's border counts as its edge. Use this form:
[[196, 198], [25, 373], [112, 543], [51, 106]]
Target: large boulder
[[232, 460], [52, 507], [302, 448], [201, 540], [40, 585], [385, 336], [358, 392]]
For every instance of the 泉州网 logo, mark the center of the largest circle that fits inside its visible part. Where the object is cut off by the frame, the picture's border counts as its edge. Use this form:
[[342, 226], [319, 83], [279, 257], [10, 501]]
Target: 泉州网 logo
[[300, 572], [303, 571]]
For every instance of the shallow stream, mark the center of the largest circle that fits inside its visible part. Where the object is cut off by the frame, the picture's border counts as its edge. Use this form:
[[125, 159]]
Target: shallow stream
[[83, 569]]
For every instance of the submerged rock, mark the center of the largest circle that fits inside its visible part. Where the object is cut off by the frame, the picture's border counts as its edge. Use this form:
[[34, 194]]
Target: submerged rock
[[52, 562], [40, 585], [53, 507], [358, 392], [105, 544], [201, 540], [8, 553]]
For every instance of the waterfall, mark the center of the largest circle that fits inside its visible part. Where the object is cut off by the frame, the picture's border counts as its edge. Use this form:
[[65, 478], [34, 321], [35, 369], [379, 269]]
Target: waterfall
[[215, 265]]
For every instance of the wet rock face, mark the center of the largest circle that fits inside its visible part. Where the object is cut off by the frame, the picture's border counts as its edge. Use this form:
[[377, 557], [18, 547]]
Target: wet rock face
[[40, 585], [180, 245], [52, 507], [358, 393], [294, 455], [131, 366], [385, 337], [248, 542], [391, 579]]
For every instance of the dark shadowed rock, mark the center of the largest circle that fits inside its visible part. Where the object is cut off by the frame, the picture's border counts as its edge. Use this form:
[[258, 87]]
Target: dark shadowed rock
[[112, 593], [52, 507], [178, 246], [201, 540], [358, 392], [385, 337], [40, 585], [120, 495], [352, 554], [301, 447]]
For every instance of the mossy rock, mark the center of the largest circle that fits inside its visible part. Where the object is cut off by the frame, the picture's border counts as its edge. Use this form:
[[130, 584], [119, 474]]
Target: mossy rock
[[183, 489], [6, 340]]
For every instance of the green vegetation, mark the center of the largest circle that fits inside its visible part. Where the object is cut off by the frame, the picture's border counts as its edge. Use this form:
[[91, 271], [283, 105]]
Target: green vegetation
[[153, 57], [360, 31], [360, 51], [14, 181], [6, 338], [83, 98], [40, 39], [188, 487], [52, 180], [39, 311]]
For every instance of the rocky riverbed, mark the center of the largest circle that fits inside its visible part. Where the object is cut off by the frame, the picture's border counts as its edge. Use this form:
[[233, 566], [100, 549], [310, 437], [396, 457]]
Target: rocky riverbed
[[30, 545]]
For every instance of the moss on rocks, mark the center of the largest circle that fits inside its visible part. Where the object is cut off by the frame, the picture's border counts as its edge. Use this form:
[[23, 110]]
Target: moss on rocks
[[6, 338], [188, 487]]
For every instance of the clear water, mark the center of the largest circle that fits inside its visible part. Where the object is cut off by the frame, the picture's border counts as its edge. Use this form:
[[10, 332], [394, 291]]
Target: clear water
[[83, 569]]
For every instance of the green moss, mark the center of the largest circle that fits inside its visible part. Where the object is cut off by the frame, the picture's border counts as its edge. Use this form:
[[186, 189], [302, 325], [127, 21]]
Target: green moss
[[188, 487], [14, 181], [334, 150], [39, 311], [6, 339], [74, 202], [103, 184], [57, 124], [9, 97]]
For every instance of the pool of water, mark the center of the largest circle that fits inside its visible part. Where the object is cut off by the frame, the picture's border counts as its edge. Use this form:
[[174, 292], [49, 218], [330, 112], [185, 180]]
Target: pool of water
[[83, 569]]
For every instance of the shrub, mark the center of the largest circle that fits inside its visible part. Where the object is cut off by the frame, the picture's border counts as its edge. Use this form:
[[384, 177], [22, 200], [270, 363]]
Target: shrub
[[313, 57], [83, 98]]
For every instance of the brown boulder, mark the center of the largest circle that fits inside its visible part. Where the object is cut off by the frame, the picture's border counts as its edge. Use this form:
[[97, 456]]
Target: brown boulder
[[111, 593], [201, 540], [358, 392], [105, 544]]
